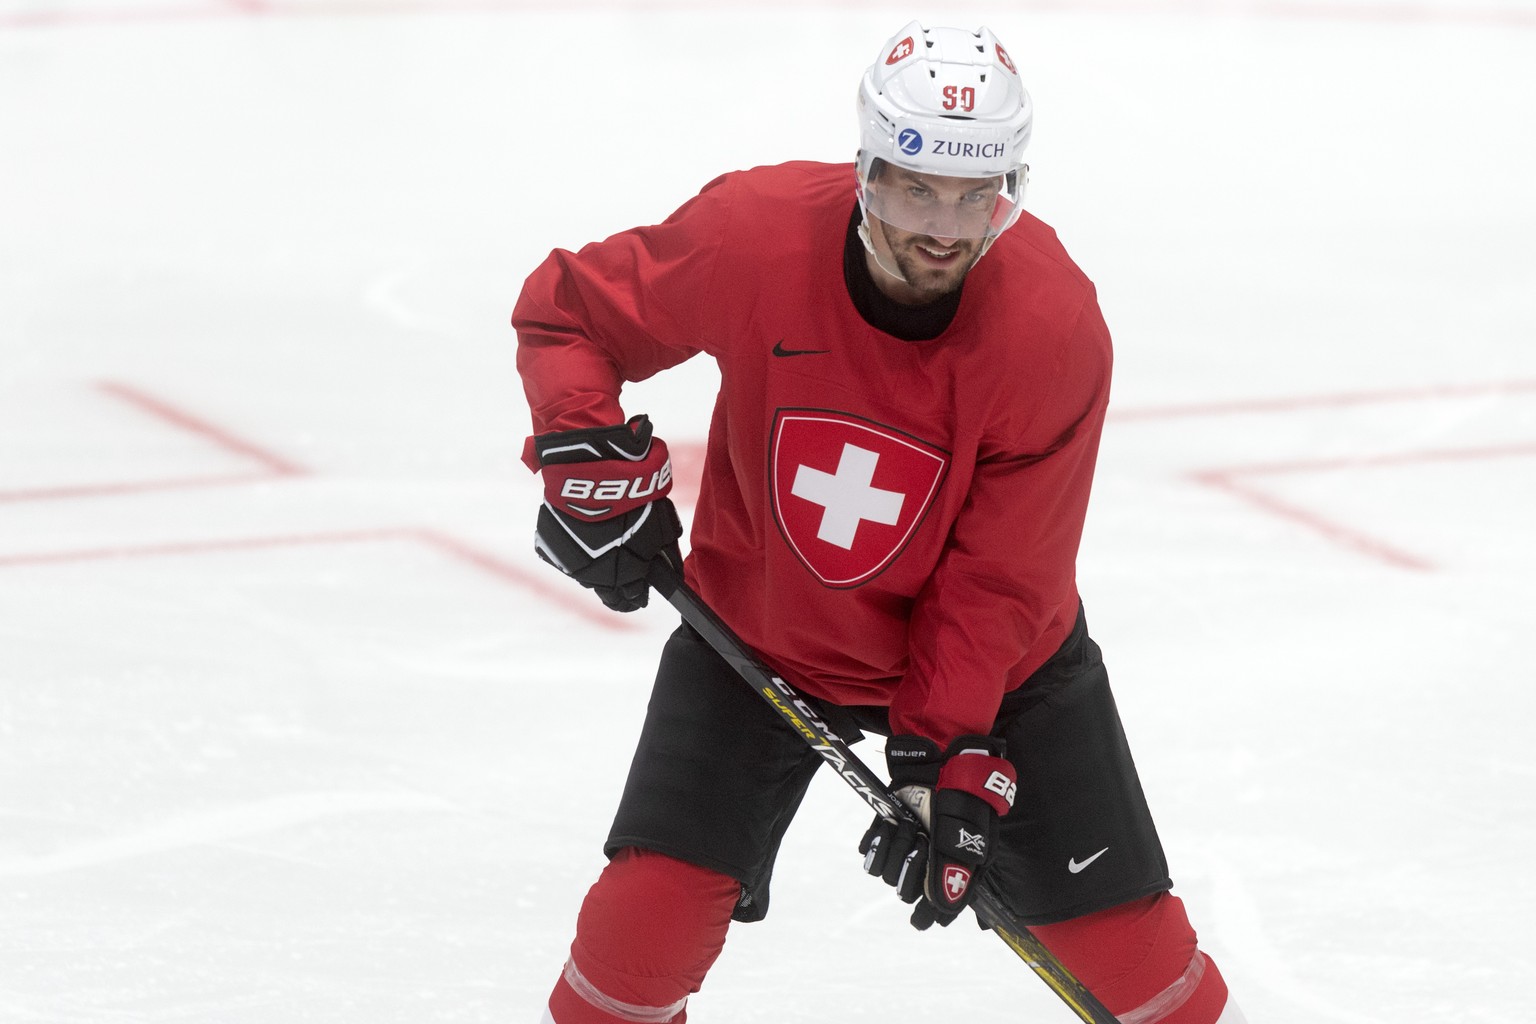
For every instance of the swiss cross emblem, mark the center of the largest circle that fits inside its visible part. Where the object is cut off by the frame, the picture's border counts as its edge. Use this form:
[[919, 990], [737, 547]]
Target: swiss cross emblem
[[848, 493], [956, 881], [901, 51]]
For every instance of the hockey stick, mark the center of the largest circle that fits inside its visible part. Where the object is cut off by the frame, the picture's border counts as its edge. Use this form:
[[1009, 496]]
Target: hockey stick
[[802, 714]]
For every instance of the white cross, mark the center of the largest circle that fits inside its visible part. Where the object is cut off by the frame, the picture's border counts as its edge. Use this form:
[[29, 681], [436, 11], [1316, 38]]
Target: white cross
[[848, 496]]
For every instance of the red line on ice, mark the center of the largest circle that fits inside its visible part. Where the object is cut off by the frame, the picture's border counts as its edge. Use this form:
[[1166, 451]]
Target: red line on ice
[[186, 421], [66, 492], [564, 596], [1229, 480], [1325, 401]]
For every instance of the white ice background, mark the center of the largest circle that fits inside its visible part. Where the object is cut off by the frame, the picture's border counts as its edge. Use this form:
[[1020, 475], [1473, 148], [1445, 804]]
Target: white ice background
[[293, 725]]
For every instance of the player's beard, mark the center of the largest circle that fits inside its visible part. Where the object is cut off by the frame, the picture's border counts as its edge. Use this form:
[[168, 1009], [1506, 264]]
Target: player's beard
[[928, 275]]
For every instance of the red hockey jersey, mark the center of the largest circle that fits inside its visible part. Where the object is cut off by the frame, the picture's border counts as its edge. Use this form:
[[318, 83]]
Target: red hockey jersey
[[886, 522]]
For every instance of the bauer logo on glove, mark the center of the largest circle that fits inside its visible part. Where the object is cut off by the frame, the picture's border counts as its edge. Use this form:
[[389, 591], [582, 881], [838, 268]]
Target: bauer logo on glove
[[602, 472], [610, 494]]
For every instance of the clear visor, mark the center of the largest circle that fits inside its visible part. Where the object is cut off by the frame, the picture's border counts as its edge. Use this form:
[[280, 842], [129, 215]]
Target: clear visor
[[943, 206]]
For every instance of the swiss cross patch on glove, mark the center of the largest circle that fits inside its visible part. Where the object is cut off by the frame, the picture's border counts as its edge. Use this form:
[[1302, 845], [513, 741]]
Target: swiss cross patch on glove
[[957, 882]]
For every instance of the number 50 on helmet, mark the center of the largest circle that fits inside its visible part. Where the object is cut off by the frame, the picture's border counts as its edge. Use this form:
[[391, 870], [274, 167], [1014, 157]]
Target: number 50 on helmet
[[945, 102]]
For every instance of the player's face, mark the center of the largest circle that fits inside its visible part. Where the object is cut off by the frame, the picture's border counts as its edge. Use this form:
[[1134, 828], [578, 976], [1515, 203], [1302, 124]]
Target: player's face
[[931, 227]]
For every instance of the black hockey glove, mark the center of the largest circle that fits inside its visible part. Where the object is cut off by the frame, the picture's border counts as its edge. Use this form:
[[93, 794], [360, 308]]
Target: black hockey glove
[[606, 515], [958, 796]]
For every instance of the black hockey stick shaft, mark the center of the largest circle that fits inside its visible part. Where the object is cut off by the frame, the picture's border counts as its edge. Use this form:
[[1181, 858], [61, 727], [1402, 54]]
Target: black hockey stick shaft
[[803, 715]]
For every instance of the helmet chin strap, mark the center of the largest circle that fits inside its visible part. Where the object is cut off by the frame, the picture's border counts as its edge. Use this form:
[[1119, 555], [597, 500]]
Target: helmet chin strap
[[870, 246]]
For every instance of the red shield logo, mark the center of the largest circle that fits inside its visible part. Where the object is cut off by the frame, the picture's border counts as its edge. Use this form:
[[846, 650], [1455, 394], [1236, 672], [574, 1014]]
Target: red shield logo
[[848, 493], [956, 881], [901, 51]]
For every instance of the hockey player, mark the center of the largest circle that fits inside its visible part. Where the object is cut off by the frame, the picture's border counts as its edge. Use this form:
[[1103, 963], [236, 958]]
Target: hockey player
[[913, 382]]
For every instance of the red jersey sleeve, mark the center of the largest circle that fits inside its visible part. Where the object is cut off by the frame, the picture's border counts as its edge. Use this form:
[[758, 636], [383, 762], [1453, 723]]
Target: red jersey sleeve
[[618, 310], [1006, 580]]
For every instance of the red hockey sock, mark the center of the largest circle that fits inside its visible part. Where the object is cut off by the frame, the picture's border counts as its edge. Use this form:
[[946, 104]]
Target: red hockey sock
[[649, 930], [1142, 961]]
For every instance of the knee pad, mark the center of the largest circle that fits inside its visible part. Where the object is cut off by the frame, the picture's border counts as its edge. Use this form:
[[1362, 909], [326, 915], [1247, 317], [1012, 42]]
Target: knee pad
[[648, 932], [1142, 961]]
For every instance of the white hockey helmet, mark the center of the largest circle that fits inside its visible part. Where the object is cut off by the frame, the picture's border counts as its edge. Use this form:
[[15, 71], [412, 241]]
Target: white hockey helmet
[[944, 101]]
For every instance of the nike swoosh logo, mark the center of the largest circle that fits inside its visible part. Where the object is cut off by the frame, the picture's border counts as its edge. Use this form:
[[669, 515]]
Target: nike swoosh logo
[[1074, 867], [780, 350]]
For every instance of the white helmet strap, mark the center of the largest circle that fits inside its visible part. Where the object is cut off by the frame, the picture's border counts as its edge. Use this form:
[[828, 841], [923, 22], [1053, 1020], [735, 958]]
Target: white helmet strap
[[869, 246]]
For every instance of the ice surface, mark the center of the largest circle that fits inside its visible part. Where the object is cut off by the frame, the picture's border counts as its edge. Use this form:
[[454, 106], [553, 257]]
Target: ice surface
[[293, 726]]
